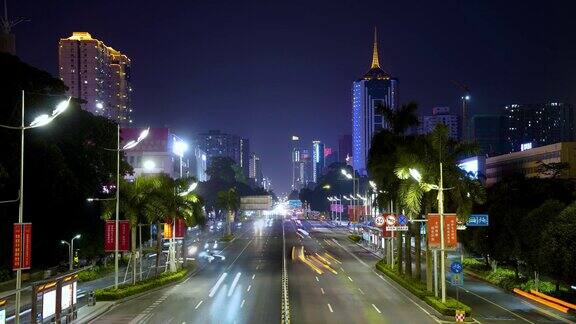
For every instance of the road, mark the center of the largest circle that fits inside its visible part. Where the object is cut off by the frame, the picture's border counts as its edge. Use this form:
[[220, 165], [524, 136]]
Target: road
[[245, 287]]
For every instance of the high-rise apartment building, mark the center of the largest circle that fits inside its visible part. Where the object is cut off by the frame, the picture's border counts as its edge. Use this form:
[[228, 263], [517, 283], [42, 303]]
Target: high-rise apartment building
[[440, 115], [375, 88], [98, 74], [488, 132], [245, 156], [256, 170], [538, 124], [218, 144], [317, 160], [344, 147], [295, 159]]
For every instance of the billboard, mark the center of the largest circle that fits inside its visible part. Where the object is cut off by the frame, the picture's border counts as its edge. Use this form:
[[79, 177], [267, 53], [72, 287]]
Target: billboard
[[22, 246], [354, 213], [256, 203], [110, 235]]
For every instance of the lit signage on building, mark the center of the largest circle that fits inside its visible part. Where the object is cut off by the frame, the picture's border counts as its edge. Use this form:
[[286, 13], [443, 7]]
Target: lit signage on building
[[525, 146]]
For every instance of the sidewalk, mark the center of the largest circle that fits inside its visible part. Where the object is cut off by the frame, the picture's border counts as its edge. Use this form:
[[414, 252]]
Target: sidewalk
[[87, 313]]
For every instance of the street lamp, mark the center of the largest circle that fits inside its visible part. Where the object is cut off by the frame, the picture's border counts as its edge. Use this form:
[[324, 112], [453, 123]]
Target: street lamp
[[39, 121], [131, 144], [71, 250], [179, 148], [172, 251], [440, 187]]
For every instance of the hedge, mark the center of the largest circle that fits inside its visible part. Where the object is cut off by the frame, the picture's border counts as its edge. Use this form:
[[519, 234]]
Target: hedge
[[126, 290], [94, 273], [419, 289], [354, 238], [227, 238]]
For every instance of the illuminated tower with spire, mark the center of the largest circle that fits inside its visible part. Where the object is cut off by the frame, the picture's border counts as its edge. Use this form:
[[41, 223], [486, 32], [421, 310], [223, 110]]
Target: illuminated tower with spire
[[375, 87]]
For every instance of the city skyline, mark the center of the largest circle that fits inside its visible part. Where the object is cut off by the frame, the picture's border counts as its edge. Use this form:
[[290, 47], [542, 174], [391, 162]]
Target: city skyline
[[236, 59]]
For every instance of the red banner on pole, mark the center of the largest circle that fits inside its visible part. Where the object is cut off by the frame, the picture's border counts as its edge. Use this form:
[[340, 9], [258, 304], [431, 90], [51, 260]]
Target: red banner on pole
[[22, 246], [433, 231], [180, 229], [123, 236]]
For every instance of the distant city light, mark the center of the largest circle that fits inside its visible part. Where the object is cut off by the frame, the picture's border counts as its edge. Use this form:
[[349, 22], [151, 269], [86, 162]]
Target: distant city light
[[99, 105]]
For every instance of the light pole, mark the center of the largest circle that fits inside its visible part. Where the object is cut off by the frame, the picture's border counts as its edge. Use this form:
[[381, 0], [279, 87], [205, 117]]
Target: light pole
[[131, 144], [172, 250], [179, 148], [353, 178], [39, 121], [440, 187], [71, 250]]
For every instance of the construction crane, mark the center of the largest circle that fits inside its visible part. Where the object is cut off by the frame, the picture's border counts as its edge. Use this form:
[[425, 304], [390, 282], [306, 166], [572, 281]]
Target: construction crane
[[465, 118]]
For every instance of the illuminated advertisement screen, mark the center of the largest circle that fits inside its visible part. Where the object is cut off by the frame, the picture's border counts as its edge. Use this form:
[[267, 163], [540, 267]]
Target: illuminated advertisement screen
[[470, 166], [66, 296], [48, 304]]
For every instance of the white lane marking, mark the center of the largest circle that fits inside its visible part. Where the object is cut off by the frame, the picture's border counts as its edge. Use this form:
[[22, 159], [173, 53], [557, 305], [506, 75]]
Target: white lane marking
[[322, 290], [198, 305], [234, 283], [361, 291], [241, 252], [350, 279], [254, 275], [376, 308], [250, 286], [317, 279], [243, 301], [330, 308], [217, 285]]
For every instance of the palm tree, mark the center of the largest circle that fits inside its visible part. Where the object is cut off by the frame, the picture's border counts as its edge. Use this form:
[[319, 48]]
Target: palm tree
[[137, 203], [414, 197], [228, 200], [178, 206]]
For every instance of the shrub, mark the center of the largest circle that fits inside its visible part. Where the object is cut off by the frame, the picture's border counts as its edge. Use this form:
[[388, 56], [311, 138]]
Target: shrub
[[354, 238], [227, 238], [419, 289], [94, 273], [128, 290]]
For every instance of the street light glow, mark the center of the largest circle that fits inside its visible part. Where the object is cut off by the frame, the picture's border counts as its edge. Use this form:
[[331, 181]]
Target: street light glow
[[41, 120], [149, 165], [372, 184], [77, 236], [415, 174]]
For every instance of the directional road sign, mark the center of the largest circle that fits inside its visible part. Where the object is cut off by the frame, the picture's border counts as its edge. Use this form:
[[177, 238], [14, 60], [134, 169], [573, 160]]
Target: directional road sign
[[456, 267], [457, 279], [477, 220]]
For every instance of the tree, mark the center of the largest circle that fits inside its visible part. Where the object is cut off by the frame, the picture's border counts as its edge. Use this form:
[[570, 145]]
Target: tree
[[64, 164], [221, 168], [230, 202], [138, 203]]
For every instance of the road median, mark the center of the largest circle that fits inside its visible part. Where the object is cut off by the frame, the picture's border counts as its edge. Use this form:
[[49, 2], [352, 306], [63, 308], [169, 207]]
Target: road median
[[126, 290], [419, 290]]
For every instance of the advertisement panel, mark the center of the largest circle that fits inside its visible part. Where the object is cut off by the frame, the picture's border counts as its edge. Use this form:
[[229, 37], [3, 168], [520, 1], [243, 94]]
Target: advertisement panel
[[22, 246], [48, 304], [110, 235], [450, 228], [256, 203], [354, 213]]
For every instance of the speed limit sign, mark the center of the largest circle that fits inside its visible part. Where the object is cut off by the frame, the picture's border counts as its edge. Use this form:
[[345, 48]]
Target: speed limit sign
[[379, 221]]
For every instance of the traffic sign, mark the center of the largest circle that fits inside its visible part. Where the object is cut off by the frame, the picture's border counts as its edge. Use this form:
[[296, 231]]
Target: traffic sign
[[379, 221], [457, 279], [397, 228], [456, 267], [477, 220], [402, 220], [391, 220]]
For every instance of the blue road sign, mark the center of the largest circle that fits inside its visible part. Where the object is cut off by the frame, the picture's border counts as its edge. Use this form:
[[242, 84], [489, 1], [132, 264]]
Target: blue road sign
[[457, 279], [456, 267], [402, 220], [477, 220]]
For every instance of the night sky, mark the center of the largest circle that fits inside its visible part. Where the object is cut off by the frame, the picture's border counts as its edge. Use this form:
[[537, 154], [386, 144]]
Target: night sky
[[267, 69]]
